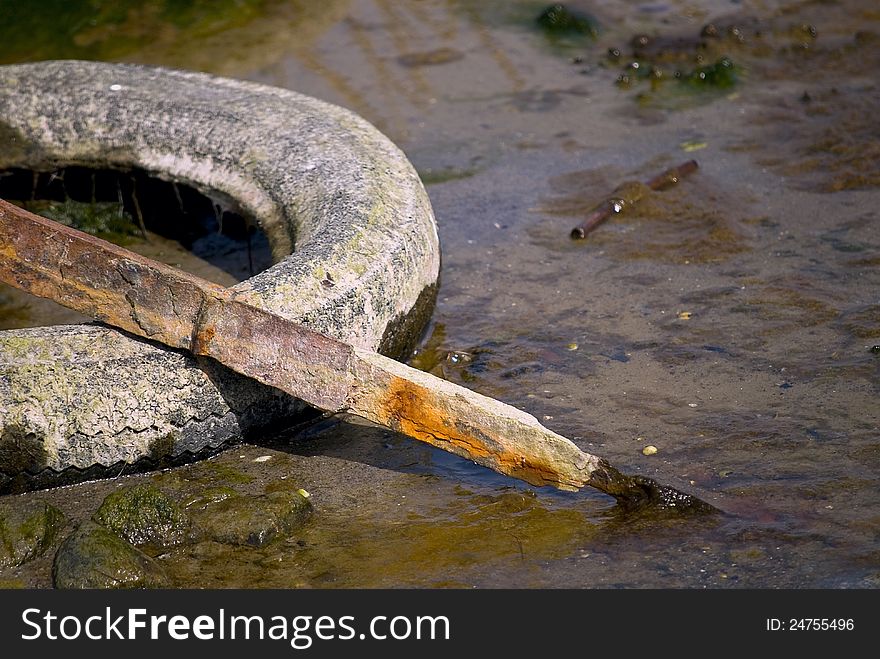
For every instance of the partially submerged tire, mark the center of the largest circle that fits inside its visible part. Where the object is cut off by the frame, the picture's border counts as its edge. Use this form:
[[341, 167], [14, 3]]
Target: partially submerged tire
[[340, 203]]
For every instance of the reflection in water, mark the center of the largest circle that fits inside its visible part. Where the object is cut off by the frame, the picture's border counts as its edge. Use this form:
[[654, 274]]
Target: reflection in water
[[225, 37]]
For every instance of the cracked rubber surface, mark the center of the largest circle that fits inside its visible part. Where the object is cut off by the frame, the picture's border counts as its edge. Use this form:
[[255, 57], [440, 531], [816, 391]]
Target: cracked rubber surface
[[333, 195]]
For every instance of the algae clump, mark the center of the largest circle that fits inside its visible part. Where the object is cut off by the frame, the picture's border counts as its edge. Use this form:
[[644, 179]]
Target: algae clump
[[27, 531], [721, 74], [558, 21], [105, 220], [143, 515], [95, 557], [254, 521]]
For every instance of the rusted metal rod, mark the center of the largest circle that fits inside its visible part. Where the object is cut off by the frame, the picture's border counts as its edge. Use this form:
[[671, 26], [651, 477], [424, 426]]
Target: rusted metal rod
[[628, 194], [161, 303]]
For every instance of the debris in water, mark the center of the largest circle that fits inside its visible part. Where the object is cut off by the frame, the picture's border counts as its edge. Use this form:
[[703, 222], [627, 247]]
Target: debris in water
[[628, 194], [693, 145], [650, 449]]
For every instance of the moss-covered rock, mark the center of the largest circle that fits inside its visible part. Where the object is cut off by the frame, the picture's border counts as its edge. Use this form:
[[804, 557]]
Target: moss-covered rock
[[143, 515], [27, 530], [254, 521], [95, 557]]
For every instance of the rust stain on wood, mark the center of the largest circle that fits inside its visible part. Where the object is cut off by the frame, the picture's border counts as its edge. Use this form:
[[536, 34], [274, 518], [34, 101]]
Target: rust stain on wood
[[413, 410]]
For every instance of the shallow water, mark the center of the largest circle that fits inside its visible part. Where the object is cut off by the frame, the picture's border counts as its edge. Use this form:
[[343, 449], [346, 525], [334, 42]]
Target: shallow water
[[729, 321]]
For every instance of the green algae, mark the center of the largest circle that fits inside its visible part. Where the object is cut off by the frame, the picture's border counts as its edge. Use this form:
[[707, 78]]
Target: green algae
[[214, 472], [57, 29], [451, 546], [558, 21], [721, 74], [489, 530], [255, 520], [105, 220], [835, 149], [27, 531], [681, 89], [95, 557], [143, 515], [431, 354]]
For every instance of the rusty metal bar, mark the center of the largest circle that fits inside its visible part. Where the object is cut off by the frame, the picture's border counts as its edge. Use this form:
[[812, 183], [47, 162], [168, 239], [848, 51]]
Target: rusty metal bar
[[628, 194]]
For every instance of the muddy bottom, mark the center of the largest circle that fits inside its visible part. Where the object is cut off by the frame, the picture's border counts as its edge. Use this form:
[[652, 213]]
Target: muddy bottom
[[731, 322]]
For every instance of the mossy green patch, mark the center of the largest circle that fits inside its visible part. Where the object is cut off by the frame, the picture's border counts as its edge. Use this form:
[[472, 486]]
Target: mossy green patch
[[143, 515], [448, 546], [285, 486], [484, 530], [95, 557], [27, 530], [221, 472], [254, 521], [58, 29], [721, 74], [557, 21], [105, 220]]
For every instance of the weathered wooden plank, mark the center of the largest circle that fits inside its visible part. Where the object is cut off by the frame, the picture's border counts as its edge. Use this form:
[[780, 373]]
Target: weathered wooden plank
[[164, 304]]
